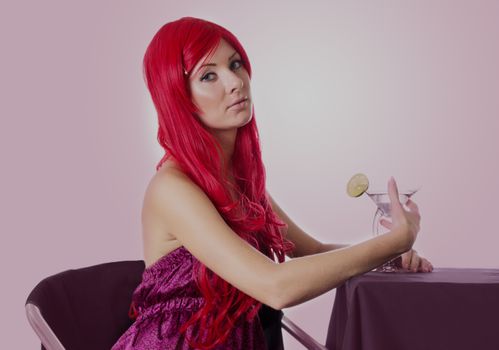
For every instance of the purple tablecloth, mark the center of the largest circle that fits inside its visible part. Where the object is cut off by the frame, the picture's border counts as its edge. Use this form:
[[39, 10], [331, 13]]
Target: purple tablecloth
[[449, 308]]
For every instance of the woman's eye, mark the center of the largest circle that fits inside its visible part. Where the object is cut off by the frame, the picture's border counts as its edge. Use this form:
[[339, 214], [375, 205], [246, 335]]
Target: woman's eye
[[205, 76], [238, 65]]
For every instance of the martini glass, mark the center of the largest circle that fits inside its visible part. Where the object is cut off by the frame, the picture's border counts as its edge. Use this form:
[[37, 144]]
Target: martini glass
[[383, 208]]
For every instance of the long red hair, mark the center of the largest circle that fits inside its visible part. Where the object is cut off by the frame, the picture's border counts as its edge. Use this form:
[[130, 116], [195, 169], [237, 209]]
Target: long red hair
[[177, 47]]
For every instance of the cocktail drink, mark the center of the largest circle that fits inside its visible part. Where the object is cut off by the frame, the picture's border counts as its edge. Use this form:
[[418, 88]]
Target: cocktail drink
[[383, 206]]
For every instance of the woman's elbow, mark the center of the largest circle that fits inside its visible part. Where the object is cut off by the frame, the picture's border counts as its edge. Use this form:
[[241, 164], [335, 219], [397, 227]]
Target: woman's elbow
[[274, 295], [279, 298]]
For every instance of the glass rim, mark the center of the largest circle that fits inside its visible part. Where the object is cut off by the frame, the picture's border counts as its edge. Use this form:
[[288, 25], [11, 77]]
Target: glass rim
[[408, 191]]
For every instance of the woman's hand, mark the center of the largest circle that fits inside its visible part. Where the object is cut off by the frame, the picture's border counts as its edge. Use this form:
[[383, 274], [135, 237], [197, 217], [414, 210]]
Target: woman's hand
[[407, 221], [412, 262]]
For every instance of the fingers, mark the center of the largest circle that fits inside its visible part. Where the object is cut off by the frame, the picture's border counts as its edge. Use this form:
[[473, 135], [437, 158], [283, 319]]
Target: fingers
[[393, 191], [415, 261], [406, 259], [426, 266], [411, 261], [386, 223], [393, 194], [411, 205]]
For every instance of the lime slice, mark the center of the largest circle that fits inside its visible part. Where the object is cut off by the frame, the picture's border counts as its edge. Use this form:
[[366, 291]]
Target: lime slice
[[357, 185]]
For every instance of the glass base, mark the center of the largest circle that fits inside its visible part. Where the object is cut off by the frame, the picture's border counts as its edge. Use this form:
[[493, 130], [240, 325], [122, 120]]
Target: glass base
[[387, 267]]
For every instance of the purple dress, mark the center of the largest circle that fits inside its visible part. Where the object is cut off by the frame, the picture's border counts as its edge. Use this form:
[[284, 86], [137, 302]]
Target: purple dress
[[165, 299]]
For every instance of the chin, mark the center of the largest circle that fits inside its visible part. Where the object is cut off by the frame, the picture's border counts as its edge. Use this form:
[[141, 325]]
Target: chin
[[247, 119]]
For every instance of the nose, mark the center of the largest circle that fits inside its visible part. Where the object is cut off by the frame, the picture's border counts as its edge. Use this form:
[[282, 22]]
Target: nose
[[234, 82]]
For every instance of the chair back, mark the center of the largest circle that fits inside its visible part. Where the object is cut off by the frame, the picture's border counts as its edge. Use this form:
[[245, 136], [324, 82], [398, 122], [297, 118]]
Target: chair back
[[87, 308]]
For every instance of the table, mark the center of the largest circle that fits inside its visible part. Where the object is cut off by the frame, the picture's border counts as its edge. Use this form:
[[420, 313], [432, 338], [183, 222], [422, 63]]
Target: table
[[449, 308]]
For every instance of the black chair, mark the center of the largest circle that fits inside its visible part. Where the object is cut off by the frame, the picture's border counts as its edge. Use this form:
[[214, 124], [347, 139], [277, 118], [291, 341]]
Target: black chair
[[87, 308]]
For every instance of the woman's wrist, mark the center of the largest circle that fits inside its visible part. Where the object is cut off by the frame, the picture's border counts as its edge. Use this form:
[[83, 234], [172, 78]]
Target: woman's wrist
[[403, 239]]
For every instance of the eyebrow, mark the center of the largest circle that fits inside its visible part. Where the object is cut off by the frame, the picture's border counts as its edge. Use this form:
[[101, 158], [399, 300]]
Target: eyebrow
[[214, 64]]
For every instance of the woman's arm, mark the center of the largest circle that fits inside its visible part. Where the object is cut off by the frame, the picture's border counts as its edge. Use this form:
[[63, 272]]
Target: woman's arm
[[196, 223], [307, 245], [307, 277], [326, 266], [327, 247]]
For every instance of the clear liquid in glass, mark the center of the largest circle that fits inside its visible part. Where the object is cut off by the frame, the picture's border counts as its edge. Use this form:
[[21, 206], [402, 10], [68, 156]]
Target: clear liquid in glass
[[383, 207]]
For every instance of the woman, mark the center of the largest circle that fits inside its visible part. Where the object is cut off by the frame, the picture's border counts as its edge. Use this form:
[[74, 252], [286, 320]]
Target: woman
[[211, 232]]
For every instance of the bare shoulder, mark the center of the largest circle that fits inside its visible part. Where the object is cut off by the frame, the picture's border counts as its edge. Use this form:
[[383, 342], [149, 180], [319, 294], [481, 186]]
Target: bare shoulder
[[156, 231], [195, 223], [164, 178], [165, 186]]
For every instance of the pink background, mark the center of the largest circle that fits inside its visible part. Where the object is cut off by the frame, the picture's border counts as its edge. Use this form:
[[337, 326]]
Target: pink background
[[409, 89]]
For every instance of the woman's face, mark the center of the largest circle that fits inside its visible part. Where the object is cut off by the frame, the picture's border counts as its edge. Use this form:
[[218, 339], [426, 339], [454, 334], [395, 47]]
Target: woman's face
[[217, 85]]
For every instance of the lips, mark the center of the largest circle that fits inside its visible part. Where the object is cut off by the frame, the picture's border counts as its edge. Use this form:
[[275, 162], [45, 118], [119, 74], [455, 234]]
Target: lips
[[238, 101]]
